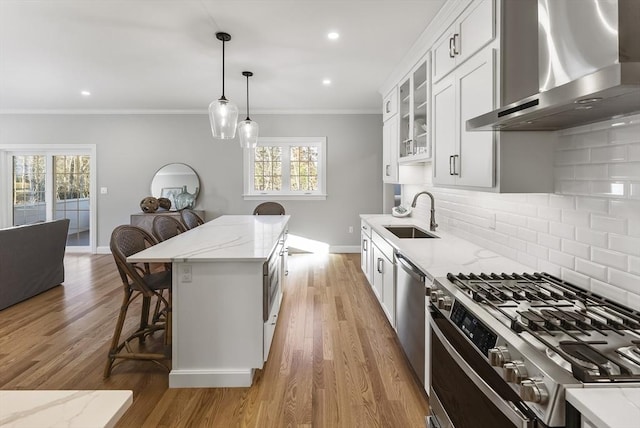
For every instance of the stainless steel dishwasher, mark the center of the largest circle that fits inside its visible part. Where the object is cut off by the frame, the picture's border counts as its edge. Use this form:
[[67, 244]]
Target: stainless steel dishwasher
[[410, 312]]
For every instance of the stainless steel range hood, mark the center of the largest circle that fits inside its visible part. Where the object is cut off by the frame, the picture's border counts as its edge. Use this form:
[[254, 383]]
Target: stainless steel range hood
[[588, 68]]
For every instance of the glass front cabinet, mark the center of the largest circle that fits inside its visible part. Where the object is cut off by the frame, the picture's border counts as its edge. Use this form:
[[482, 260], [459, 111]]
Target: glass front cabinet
[[414, 127]]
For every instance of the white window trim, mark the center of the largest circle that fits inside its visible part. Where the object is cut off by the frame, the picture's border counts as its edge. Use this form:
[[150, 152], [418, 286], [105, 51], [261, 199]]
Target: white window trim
[[248, 165]]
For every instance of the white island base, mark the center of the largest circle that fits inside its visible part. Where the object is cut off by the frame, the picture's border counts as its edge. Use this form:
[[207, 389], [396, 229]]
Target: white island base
[[223, 341], [220, 336]]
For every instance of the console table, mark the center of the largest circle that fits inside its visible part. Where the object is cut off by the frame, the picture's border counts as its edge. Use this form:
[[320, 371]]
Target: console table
[[145, 220]]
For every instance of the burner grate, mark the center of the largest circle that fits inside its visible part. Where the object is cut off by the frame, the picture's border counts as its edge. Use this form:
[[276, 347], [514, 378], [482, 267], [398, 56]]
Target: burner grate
[[555, 308]]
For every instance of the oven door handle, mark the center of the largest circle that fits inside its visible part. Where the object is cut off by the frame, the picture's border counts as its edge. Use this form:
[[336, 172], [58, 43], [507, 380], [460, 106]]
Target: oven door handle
[[507, 408]]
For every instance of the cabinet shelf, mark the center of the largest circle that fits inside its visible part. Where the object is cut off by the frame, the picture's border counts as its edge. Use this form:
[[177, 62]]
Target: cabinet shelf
[[405, 100], [422, 105], [413, 159], [421, 85]]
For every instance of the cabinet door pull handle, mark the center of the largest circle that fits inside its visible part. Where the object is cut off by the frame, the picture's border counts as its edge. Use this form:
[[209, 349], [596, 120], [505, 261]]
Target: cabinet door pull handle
[[364, 245], [456, 37], [387, 107], [451, 165], [454, 165], [379, 267], [386, 170], [451, 51]]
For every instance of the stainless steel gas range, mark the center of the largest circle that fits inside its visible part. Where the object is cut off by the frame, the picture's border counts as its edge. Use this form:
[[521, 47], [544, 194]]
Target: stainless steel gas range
[[505, 347]]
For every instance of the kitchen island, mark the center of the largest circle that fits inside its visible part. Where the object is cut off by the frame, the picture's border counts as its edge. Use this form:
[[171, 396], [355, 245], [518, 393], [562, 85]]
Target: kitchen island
[[227, 287]]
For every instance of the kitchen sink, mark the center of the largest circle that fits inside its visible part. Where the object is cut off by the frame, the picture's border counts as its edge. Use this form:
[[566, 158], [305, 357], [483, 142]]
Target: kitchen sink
[[409, 232]]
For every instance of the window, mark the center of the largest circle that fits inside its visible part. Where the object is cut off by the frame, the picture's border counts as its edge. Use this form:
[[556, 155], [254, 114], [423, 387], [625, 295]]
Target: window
[[286, 168]]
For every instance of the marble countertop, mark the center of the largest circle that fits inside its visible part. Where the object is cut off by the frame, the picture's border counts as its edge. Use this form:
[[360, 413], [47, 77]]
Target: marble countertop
[[48, 409], [607, 407], [229, 237], [438, 256]]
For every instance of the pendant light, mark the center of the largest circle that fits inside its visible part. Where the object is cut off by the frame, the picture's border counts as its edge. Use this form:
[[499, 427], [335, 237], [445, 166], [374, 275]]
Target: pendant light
[[248, 129], [222, 114]]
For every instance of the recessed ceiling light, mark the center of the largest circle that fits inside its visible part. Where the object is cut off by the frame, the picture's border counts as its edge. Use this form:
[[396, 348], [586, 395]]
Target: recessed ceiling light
[[333, 35], [618, 124], [326, 82], [85, 93]]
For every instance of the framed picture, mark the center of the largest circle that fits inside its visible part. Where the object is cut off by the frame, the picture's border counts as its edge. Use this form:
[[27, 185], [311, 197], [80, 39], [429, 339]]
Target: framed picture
[[171, 193]]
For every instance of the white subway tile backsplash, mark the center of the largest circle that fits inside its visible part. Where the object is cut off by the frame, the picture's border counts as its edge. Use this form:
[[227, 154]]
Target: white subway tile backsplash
[[634, 190], [576, 248], [538, 251], [599, 205], [625, 134], [609, 188], [592, 171], [605, 290], [587, 232], [572, 187], [549, 241], [539, 225], [634, 265], [609, 224], [633, 301], [628, 281], [527, 234], [576, 218], [609, 258], [562, 259], [572, 157], [625, 244], [609, 154], [591, 237], [591, 269], [621, 171], [547, 213], [576, 278], [562, 230]]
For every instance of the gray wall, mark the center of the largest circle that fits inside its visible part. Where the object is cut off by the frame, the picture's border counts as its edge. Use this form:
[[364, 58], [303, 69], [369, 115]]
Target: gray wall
[[130, 148]]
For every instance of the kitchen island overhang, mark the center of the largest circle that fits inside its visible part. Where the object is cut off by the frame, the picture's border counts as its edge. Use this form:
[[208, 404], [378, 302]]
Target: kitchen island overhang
[[220, 331]]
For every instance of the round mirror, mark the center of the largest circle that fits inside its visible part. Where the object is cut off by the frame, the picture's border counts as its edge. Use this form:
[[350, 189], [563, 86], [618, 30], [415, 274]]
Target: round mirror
[[170, 180]]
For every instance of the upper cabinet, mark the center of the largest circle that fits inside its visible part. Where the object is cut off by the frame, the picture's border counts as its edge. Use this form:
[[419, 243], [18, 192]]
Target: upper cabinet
[[466, 36], [390, 105], [415, 97], [464, 158]]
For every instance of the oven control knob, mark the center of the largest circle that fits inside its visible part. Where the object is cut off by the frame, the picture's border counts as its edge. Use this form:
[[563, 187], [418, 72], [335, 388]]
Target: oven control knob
[[444, 303], [533, 391], [514, 371], [498, 356], [436, 295]]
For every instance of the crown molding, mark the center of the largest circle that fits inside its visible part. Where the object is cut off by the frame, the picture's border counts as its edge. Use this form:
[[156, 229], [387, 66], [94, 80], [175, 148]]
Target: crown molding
[[175, 112]]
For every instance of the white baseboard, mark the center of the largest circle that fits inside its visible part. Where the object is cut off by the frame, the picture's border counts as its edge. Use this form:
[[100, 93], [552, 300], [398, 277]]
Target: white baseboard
[[344, 249], [185, 378], [103, 250]]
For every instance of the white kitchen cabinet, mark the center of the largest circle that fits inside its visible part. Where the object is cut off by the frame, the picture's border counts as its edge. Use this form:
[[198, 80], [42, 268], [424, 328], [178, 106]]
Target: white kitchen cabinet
[[384, 276], [473, 30], [464, 158], [390, 150], [414, 106], [366, 255], [390, 104]]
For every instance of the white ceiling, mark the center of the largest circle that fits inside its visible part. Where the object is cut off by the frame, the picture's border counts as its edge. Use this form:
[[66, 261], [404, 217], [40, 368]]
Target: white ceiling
[[163, 55]]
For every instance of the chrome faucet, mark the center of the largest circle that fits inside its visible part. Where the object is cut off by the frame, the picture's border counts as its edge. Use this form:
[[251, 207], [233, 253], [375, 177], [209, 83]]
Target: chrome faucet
[[432, 220]]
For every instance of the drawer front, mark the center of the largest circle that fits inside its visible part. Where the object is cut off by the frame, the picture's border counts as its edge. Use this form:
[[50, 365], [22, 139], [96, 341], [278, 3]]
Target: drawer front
[[365, 228], [385, 248]]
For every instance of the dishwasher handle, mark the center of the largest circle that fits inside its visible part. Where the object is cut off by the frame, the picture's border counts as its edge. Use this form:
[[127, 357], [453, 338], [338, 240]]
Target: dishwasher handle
[[410, 268]]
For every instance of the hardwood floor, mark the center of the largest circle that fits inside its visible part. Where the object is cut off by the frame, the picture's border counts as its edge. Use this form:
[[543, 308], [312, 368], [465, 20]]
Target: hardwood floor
[[334, 362]]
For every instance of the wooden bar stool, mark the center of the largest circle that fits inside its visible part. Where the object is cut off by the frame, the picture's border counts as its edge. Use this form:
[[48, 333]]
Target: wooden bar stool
[[138, 281], [165, 227], [269, 208], [190, 219]]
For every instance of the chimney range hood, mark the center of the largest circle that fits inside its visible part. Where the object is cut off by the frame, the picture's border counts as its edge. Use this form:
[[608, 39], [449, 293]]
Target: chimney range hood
[[588, 68]]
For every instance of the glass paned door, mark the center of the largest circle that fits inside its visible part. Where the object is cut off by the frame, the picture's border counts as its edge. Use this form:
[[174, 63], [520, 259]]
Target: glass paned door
[[72, 192], [53, 186], [29, 196]]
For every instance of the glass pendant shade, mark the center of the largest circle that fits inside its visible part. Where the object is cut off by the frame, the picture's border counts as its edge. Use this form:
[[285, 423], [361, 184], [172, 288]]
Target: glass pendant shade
[[223, 116], [248, 134]]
